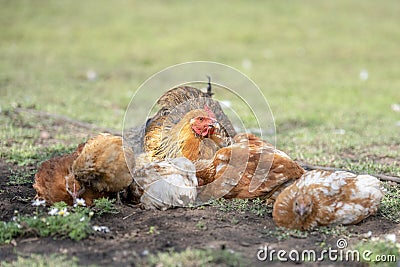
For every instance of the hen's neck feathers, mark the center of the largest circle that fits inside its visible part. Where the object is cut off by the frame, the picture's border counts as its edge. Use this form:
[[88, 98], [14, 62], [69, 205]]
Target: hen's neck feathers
[[181, 141], [189, 143]]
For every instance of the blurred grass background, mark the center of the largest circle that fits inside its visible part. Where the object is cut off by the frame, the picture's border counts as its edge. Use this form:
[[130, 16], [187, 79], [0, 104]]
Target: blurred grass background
[[329, 69]]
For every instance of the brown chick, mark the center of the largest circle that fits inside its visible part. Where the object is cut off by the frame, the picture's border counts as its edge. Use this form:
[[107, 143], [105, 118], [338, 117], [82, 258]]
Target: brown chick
[[192, 137], [96, 169], [249, 168], [104, 165], [54, 181], [325, 198]]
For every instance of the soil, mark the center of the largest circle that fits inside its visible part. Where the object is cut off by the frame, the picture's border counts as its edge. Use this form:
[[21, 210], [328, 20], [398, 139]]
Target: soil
[[129, 238]]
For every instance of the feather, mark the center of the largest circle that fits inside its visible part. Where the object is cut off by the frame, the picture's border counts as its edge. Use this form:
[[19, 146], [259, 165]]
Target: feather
[[104, 165], [325, 198], [233, 168], [167, 184], [162, 138], [55, 180], [182, 141]]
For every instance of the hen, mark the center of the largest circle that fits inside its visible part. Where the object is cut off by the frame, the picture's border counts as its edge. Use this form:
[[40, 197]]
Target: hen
[[176, 104], [50, 179], [324, 198], [96, 169], [192, 137], [165, 184], [249, 168]]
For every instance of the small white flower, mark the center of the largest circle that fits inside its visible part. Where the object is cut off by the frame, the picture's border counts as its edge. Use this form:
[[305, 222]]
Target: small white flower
[[368, 234], [80, 202], [247, 64], [53, 211], [145, 252], [395, 107], [63, 212], [363, 75], [339, 131], [91, 75], [82, 219], [390, 238], [38, 202], [103, 229]]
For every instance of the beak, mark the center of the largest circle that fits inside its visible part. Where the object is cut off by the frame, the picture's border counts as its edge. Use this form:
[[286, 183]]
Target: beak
[[302, 210], [215, 125]]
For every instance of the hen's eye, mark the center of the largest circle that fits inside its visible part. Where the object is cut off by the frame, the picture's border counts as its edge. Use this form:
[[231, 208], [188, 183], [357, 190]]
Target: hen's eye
[[201, 119]]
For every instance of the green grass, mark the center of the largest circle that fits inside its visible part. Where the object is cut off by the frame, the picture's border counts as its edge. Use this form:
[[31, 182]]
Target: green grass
[[58, 221], [20, 177], [379, 253], [202, 226], [390, 205], [64, 223], [36, 260], [255, 206], [305, 57], [20, 134], [188, 257], [104, 206], [196, 257], [34, 155], [20, 141], [281, 233], [153, 230]]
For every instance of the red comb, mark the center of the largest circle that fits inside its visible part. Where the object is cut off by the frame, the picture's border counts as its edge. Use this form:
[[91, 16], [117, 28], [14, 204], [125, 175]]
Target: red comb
[[209, 112]]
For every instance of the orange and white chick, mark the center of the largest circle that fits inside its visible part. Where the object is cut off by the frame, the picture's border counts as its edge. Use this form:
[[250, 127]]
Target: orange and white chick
[[249, 168], [325, 198]]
